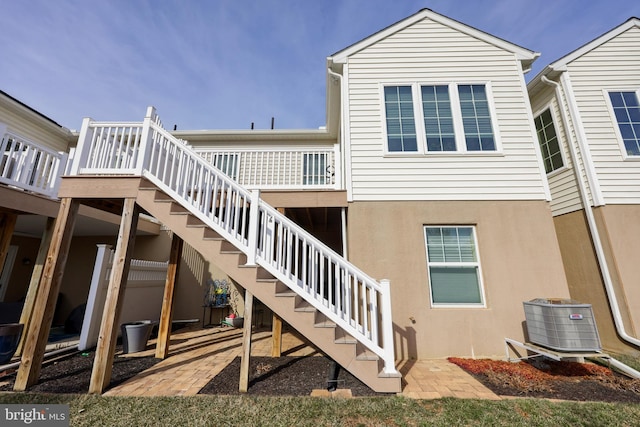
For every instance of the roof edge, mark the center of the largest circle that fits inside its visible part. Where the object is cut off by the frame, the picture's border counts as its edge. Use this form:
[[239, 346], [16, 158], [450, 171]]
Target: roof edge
[[523, 54], [559, 64]]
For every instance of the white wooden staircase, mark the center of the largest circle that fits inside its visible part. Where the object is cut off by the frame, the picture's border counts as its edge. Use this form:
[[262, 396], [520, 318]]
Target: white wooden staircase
[[342, 311]]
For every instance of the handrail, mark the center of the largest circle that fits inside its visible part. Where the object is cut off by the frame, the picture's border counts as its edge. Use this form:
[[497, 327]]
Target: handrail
[[30, 166], [343, 293]]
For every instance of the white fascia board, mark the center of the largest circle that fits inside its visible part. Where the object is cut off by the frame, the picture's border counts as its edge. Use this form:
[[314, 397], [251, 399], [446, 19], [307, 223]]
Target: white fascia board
[[525, 55]]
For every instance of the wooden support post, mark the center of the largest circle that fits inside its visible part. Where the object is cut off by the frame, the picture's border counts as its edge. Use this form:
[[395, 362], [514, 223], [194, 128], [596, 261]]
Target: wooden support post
[[164, 329], [246, 342], [103, 362], [34, 284], [7, 225], [42, 315], [276, 336]]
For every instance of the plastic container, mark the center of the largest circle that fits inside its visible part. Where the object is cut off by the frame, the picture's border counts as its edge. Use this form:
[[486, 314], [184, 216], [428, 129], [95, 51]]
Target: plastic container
[[135, 336]]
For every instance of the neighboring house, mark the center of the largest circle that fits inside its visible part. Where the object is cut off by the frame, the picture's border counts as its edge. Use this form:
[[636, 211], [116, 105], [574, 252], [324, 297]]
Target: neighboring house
[[35, 154], [427, 174], [587, 114]]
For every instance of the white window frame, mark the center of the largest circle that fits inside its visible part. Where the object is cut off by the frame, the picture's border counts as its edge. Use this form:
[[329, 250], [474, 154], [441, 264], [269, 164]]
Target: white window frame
[[314, 173], [477, 264], [461, 145], [560, 134], [614, 120]]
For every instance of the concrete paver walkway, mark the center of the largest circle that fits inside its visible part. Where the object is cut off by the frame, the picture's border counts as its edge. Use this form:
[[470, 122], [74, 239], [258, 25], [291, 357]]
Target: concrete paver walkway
[[197, 355]]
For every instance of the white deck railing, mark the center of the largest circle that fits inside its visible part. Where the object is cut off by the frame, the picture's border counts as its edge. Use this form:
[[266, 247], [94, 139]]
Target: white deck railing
[[30, 166], [301, 168], [353, 300]]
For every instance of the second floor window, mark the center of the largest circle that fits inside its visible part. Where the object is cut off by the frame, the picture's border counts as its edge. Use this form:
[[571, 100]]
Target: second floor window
[[438, 118], [627, 111], [548, 139], [401, 126]]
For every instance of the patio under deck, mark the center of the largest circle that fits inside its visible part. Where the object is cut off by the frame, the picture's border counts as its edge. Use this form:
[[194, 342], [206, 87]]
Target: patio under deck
[[197, 355]]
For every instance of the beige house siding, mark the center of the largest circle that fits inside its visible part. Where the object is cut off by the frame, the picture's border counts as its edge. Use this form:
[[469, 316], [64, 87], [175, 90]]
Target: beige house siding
[[565, 195], [31, 126], [431, 52], [519, 263], [614, 65]]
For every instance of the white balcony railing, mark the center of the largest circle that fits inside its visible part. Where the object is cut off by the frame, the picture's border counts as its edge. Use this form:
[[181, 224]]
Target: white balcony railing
[[354, 301], [30, 166], [277, 168]]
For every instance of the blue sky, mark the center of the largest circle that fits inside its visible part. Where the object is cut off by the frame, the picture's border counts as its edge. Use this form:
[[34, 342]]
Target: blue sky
[[223, 64]]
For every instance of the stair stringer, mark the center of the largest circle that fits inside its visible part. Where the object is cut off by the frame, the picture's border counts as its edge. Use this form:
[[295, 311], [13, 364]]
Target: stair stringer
[[346, 352]]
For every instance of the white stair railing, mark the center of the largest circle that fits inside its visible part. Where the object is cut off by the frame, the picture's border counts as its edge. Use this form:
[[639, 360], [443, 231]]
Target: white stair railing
[[354, 301], [30, 166]]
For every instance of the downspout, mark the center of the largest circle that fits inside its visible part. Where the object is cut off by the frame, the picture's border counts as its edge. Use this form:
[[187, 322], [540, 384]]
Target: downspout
[[342, 160], [591, 222]]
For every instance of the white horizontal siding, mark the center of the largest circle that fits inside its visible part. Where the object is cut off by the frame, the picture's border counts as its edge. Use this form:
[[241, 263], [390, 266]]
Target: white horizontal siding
[[429, 52], [565, 194], [614, 65], [31, 129]]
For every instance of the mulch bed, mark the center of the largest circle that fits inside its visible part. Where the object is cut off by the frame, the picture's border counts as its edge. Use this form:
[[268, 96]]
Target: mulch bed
[[552, 380], [298, 376], [72, 373], [284, 376], [269, 376]]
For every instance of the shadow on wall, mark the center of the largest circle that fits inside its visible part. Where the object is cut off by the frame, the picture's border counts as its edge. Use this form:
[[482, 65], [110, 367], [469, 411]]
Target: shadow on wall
[[405, 343]]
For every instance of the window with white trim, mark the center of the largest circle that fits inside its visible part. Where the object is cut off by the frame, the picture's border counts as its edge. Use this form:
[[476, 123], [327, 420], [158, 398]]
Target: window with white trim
[[626, 108], [401, 126], [314, 169], [548, 140], [227, 163], [453, 266], [439, 118]]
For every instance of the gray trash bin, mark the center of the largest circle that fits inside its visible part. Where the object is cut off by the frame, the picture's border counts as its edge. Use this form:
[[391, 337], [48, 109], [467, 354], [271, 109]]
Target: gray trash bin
[[135, 336]]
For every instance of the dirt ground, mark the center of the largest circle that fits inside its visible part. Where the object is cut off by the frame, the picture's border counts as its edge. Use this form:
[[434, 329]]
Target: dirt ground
[[298, 376]]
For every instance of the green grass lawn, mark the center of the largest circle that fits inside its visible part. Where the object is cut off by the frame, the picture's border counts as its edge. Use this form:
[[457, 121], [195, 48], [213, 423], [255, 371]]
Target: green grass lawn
[[89, 410]]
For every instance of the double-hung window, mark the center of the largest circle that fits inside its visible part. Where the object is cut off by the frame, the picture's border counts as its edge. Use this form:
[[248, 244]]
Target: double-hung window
[[439, 118], [548, 140], [453, 266], [626, 108]]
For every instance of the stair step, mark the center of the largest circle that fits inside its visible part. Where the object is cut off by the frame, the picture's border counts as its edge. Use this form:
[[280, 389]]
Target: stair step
[[302, 305], [282, 290], [344, 338], [162, 197], [194, 221], [228, 248], [263, 275], [363, 353], [147, 185], [322, 321], [177, 209], [210, 234]]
